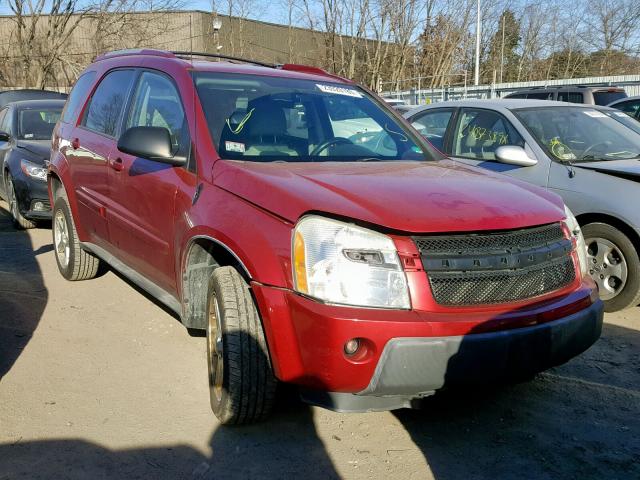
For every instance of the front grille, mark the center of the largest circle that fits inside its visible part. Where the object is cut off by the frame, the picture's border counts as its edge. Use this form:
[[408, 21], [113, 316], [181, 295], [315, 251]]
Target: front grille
[[497, 267], [489, 242], [451, 288]]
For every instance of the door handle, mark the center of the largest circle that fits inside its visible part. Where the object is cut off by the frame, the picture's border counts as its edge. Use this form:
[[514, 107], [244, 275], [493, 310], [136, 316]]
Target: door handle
[[75, 143], [116, 164]]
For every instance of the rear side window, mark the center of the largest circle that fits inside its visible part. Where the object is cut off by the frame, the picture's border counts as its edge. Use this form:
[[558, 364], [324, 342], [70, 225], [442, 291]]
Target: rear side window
[[571, 97], [3, 122], [433, 125], [517, 95], [107, 102], [540, 96], [77, 96]]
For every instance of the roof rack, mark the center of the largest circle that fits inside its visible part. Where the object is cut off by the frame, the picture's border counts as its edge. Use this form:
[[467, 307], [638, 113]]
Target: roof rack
[[224, 57], [134, 51], [183, 54], [292, 67]]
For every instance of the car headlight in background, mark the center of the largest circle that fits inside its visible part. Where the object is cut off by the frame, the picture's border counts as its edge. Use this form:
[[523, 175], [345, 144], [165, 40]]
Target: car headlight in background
[[576, 232], [33, 170], [341, 263]]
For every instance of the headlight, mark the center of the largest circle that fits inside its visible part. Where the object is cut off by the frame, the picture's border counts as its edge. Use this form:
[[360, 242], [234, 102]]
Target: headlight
[[576, 232], [33, 170], [342, 263]]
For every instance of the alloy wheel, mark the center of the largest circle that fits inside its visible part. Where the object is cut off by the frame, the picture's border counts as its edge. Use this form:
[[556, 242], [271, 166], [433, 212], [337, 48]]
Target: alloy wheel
[[607, 266], [61, 238]]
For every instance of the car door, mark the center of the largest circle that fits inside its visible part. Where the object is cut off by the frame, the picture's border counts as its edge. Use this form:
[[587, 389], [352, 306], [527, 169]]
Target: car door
[[91, 142], [475, 135], [141, 221], [432, 125]]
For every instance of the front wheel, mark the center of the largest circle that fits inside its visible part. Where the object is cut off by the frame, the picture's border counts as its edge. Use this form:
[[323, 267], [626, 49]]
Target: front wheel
[[614, 265], [241, 382], [19, 220]]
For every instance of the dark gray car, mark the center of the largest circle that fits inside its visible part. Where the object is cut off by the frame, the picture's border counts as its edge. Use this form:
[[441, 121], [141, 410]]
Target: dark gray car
[[589, 155]]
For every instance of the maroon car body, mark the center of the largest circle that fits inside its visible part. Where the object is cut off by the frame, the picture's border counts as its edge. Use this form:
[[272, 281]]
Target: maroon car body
[[149, 220]]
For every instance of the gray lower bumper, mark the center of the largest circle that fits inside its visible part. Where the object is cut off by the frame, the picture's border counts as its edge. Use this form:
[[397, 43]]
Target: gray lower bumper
[[416, 367]]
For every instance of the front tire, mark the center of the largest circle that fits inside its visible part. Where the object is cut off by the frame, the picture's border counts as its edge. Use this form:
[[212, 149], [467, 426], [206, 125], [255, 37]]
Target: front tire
[[73, 261], [19, 221], [241, 382], [614, 265]]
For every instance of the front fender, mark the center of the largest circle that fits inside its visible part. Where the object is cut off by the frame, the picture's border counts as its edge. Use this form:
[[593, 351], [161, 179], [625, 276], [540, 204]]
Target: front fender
[[260, 241]]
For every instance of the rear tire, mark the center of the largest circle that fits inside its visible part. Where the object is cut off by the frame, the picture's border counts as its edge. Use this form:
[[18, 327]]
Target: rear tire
[[73, 261], [241, 382], [614, 265], [18, 219]]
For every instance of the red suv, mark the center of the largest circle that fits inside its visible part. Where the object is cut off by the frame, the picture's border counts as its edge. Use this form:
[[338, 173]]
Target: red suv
[[313, 234]]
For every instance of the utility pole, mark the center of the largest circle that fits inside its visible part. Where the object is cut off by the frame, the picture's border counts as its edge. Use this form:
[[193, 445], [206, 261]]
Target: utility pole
[[478, 34], [502, 49]]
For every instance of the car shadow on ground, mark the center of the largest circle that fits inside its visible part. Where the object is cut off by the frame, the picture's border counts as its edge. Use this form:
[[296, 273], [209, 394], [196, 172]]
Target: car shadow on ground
[[285, 447], [23, 295], [578, 420]]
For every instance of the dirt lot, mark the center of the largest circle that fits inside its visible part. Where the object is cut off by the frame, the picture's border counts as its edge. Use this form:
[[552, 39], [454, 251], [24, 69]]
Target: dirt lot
[[97, 381]]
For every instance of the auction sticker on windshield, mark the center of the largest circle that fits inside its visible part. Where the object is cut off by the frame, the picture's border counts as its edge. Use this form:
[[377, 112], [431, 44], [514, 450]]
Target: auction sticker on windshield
[[595, 114], [349, 92]]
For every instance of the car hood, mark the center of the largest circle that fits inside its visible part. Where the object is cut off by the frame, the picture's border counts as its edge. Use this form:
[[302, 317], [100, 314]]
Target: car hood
[[622, 168], [40, 149], [440, 196]]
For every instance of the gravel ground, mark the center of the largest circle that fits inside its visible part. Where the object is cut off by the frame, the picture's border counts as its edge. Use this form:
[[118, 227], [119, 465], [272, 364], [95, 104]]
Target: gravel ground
[[97, 381]]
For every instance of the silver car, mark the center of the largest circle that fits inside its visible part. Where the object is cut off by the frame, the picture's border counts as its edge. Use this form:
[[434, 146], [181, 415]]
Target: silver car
[[589, 155]]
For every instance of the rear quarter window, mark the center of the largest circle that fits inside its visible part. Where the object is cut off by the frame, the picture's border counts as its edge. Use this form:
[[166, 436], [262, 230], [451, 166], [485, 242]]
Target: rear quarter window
[[77, 96]]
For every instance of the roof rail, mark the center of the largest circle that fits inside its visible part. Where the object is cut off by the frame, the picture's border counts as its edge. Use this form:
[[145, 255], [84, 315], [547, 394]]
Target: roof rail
[[292, 67], [134, 51], [223, 57]]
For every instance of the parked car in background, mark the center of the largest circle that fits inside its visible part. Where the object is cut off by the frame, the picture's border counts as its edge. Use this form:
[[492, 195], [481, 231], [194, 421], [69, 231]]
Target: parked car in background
[[8, 96], [588, 155], [572, 94], [25, 148], [629, 105], [368, 273]]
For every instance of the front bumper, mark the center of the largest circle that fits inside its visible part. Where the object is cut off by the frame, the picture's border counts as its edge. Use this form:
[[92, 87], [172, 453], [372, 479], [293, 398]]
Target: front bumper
[[411, 368], [29, 192], [306, 338]]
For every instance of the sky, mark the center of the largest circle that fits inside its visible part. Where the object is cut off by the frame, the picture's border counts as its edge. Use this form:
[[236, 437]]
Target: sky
[[274, 15]]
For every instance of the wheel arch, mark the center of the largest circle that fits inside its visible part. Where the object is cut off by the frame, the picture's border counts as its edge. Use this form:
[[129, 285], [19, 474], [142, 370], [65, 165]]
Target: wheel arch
[[203, 254], [621, 225]]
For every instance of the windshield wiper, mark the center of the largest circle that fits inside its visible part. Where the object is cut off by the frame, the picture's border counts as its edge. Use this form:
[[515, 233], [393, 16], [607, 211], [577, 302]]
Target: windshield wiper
[[590, 158]]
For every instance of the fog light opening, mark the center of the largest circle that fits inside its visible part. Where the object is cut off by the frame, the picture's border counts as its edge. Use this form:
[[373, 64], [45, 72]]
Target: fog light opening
[[39, 207], [352, 346]]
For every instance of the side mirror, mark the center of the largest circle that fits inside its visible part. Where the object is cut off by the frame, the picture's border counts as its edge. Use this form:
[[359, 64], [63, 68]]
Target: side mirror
[[153, 143], [514, 155], [4, 137]]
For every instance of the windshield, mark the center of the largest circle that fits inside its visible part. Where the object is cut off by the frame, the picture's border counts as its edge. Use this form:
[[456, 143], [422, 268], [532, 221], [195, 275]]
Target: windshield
[[580, 134], [260, 118], [37, 123]]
